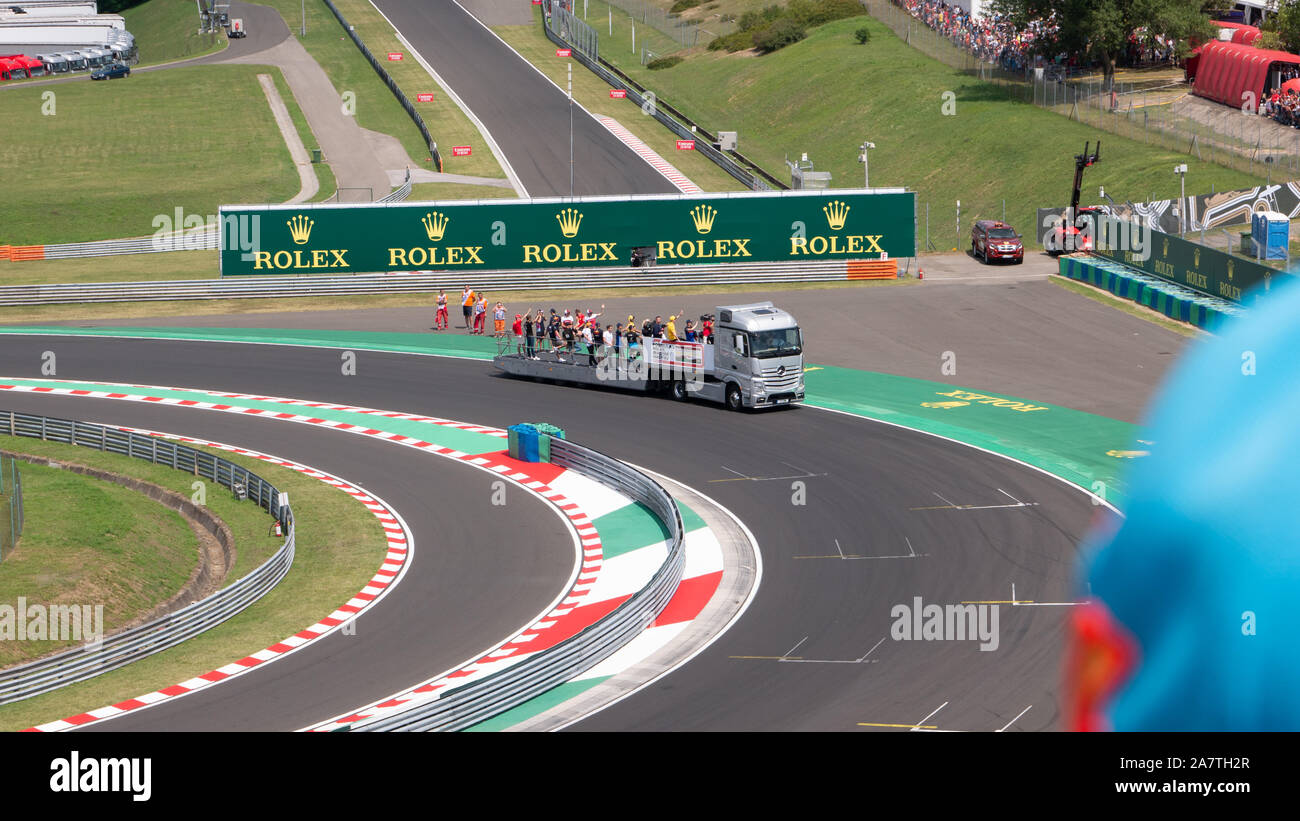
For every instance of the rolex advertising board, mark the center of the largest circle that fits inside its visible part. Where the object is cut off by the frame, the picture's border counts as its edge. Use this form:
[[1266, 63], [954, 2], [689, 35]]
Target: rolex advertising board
[[1198, 267], [789, 226]]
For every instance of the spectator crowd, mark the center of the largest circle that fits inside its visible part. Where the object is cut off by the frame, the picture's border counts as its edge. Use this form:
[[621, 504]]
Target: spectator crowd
[[991, 38], [574, 331], [1282, 106]]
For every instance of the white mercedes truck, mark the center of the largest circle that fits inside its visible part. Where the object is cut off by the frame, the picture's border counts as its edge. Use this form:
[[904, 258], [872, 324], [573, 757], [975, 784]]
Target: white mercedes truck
[[753, 360]]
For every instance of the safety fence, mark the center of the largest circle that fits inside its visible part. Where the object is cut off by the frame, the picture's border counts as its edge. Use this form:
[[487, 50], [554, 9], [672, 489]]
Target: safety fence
[[120, 649], [464, 706], [400, 193], [284, 287], [206, 238], [686, 33], [558, 23], [391, 83], [1154, 113], [11, 505]]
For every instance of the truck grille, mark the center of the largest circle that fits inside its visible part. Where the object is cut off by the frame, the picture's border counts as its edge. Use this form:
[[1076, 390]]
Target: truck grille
[[777, 382]]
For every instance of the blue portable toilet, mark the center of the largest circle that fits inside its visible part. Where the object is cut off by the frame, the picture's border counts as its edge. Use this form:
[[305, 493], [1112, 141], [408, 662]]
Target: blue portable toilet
[[1271, 232]]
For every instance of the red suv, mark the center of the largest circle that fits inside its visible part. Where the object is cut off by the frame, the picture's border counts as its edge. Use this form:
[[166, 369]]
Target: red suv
[[990, 240]]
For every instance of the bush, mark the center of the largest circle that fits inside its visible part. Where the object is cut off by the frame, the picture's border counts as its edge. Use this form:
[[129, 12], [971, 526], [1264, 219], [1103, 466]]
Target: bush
[[663, 62], [775, 27], [735, 41], [682, 5], [863, 34], [779, 35]]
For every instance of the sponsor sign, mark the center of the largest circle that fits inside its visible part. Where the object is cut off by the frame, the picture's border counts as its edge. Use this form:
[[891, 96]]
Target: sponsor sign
[[461, 151], [564, 52], [618, 93], [394, 56], [424, 98], [580, 232], [686, 357], [1198, 267], [686, 145]]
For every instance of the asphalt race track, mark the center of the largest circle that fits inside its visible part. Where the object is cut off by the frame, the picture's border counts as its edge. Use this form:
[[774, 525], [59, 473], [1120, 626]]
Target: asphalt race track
[[525, 113], [929, 519], [472, 582]]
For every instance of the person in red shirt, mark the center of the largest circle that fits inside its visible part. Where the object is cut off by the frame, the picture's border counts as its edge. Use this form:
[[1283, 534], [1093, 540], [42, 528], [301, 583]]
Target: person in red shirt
[[440, 321]]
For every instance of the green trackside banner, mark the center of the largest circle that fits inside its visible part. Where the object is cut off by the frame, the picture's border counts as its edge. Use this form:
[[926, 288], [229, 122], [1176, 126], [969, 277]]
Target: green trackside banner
[[786, 226], [1198, 267]]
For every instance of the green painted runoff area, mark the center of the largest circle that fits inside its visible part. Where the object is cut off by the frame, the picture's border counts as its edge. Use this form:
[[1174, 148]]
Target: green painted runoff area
[[1088, 450]]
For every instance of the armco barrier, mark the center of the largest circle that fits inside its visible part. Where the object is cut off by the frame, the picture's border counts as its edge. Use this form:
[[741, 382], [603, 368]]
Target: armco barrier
[[479, 700], [392, 86], [732, 162], [120, 649], [283, 287]]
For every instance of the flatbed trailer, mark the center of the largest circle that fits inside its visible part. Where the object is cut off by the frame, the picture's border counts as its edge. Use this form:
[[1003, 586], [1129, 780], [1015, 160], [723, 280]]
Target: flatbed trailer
[[755, 360]]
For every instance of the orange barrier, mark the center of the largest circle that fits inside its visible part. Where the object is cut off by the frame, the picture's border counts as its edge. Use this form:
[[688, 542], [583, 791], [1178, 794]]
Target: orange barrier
[[4, 252], [873, 269], [18, 253]]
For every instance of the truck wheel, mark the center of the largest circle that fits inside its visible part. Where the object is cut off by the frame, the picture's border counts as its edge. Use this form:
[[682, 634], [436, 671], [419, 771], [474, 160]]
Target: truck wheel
[[734, 401], [679, 390]]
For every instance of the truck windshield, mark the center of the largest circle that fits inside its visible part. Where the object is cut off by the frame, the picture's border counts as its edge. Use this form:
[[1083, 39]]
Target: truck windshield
[[769, 344]]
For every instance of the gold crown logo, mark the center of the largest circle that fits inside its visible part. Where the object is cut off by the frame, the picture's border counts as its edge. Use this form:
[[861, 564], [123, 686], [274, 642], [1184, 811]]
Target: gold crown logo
[[944, 405], [435, 224], [1164, 252], [300, 229], [835, 212], [1196, 257], [569, 220], [1229, 269], [703, 216]]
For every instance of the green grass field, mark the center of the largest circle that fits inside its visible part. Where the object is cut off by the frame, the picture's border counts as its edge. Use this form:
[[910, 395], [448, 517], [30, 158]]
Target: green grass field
[[340, 545], [115, 154], [90, 542], [167, 30], [827, 94]]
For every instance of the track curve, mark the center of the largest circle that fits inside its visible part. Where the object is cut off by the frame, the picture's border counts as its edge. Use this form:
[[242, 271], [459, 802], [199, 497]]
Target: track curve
[[876, 490]]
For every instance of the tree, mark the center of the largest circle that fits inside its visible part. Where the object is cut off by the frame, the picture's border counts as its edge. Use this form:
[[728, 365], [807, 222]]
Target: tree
[[1100, 29], [1287, 19]]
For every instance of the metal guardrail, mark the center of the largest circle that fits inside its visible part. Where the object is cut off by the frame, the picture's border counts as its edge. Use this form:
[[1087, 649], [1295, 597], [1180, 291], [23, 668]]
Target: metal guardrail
[[392, 85], [280, 287], [732, 162], [471, 703], [120, 649], [400, 193]]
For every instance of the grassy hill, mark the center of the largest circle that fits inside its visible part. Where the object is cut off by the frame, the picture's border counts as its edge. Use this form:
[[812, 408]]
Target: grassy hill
[[167, 30], [827, 94]]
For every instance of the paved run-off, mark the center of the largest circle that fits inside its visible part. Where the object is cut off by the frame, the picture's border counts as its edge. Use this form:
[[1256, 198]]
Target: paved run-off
[[1085, 449]]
